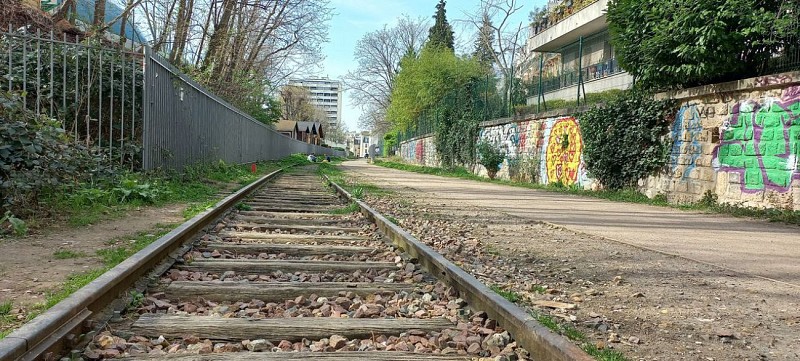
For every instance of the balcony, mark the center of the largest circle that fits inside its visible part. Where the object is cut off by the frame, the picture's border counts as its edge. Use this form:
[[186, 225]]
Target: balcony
[[597, 77], [561, 31]]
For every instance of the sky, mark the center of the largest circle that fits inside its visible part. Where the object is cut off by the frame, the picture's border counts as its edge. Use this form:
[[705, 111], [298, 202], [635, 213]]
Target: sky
[[354, 18]]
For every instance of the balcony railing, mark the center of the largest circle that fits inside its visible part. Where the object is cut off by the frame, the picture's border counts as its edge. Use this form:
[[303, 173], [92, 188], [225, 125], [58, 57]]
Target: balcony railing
[[569, 78], [557, 14]]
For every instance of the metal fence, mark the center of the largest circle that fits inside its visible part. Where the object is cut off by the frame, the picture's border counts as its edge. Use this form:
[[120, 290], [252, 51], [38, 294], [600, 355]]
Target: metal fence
[[184, 124], [479, 100], [101, 97], [94, 91]]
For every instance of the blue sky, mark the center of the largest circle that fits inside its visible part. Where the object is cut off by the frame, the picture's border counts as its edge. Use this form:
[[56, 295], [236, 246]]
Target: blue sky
[[354, 18]]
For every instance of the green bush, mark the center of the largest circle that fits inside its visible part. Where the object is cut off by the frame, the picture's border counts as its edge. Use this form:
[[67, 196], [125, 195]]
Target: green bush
[[625, 140], [36, 155], [490, 156]]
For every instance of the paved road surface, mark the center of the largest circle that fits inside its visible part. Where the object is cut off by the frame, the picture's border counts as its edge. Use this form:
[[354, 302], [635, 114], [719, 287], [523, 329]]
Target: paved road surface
[[749, 246]]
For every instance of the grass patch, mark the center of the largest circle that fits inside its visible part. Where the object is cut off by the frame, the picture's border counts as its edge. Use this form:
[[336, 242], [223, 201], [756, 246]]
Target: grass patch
[[509, 295], [575, 335], [5, 308], [625, 195], [112, 198], [126, 248], [539, 289], [122, 249], [604, 354], [350, 208], [392, 219], [243, 207], [67, 254], [72, 284], [194, 209]]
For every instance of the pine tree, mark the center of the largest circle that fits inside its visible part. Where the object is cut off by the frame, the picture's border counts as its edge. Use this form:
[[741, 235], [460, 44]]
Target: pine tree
[[484, 52], [441, 33]]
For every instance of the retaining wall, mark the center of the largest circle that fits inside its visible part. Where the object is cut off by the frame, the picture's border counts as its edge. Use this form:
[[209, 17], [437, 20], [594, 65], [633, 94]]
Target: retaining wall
[[738, 140]]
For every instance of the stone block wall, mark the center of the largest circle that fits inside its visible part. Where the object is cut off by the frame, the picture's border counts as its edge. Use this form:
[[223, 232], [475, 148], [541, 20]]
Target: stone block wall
[[742, 146], [737, 141]]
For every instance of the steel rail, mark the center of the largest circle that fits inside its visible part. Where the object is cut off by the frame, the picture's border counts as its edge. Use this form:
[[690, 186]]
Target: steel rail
[[542, 343], [58, 328]]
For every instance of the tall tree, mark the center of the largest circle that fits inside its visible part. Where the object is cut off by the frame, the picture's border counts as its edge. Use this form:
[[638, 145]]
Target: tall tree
[[378, 55], [440, 34], [484, 44]]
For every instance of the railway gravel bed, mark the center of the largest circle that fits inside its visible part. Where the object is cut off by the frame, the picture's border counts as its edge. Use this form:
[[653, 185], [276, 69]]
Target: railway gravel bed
[[282, 278]]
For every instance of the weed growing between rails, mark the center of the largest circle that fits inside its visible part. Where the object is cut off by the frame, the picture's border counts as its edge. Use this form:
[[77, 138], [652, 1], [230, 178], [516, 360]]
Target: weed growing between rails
[[623, 195]]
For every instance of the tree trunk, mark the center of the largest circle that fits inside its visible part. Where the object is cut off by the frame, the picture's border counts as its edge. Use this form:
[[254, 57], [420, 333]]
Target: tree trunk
[[219, 38], [99, 12]]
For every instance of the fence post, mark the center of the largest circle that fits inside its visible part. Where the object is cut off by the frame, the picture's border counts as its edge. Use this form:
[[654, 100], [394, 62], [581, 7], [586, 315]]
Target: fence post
[[580, 70], [147, 161]]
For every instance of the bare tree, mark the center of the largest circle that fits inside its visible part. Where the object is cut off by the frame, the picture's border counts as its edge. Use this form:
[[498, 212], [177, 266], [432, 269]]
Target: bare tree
[[296, 104], [496, 31], [378, 55]]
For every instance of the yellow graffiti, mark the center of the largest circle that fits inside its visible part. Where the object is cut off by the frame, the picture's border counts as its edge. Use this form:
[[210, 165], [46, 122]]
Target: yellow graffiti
[[564, 148]]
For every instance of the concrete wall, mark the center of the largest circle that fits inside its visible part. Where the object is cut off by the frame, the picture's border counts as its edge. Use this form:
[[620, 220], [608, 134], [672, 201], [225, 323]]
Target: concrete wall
[[617, 81], [420, 151], [738, 140]]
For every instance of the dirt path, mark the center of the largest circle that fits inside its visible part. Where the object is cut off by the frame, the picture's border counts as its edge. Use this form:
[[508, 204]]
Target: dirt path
[[29, 269], [752, 247], [648, 305]]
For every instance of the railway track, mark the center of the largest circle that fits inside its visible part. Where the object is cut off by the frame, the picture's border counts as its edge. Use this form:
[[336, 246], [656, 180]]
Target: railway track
[[282, 276]]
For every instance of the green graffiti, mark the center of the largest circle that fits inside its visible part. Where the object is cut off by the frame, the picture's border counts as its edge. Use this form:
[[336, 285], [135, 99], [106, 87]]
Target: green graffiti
[[762, 144]]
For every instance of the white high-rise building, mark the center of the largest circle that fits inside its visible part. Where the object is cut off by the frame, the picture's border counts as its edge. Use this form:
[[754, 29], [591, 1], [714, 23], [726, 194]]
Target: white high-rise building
[[326, 94]]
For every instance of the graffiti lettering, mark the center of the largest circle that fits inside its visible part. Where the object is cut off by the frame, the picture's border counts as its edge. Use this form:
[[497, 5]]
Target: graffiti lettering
[[761, 142], [773, 80], [685, 134]]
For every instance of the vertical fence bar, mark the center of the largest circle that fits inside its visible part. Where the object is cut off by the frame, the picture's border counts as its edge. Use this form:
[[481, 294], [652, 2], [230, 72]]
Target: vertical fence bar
[[64, 81], [146, 78], [77, 87], [122, 111], [8, 43], [52, 70], [540, 96], [133, 104], [111, 109], [38, 70], [100, 100], [88, 92], [24, 72], [580, 71]]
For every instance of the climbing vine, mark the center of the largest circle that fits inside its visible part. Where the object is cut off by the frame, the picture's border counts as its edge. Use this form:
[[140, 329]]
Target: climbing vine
[[626, 140]]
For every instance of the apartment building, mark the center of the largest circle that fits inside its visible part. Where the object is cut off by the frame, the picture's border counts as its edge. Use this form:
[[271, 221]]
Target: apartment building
[[326, 94], [569, 46], [358, 143]]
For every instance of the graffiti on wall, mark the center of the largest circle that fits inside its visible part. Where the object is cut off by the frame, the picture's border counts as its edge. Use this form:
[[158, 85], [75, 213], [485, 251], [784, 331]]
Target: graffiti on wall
[[420, 151], [563, 152], [506, 136], [686, 132], [761, 142]]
